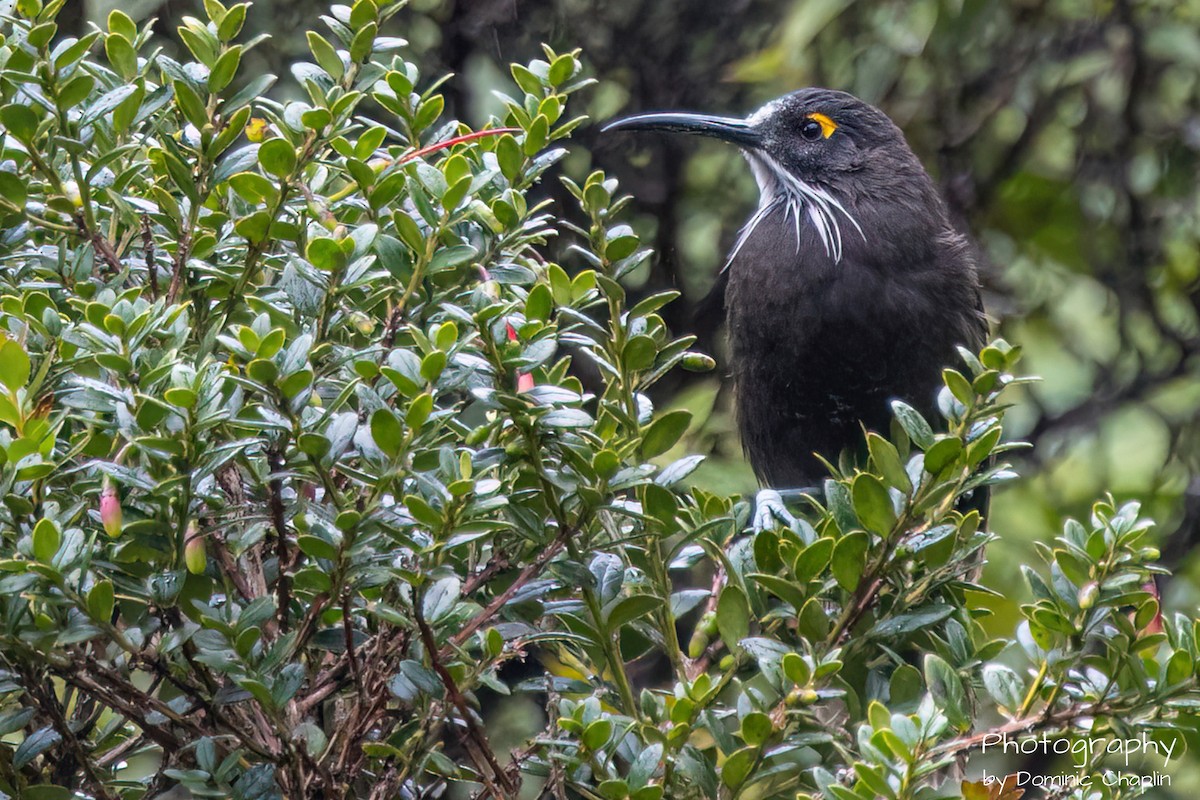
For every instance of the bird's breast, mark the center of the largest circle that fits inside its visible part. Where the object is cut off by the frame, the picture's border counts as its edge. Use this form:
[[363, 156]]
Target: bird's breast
[[820, 348]]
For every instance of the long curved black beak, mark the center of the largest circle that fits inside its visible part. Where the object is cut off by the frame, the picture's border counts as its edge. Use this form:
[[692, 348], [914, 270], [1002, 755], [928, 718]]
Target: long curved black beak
[[727, 129]]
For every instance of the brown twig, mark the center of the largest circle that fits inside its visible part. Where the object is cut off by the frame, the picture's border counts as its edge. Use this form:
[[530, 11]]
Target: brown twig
[[864, 598], [348, 632], [529, 573], [102, 246], [1018, 726], [148, 250], [475, 739], [177, 265], [278, 522], [309, 622], [497, 564], [698, 666], [48, 702]]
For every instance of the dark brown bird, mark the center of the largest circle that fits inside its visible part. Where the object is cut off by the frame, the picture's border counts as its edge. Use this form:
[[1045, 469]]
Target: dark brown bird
[[847, 289]]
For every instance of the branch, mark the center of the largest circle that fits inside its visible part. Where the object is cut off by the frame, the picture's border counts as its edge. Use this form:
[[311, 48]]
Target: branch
[[177, 265], [148, 249], [475, 739], [1041, 722], [279, 523], [529, 573], [49, 704], [103, 247]]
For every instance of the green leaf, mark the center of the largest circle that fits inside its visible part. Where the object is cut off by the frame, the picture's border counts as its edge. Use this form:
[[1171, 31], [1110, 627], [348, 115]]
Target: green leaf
[[509, 156], [597, 734], [537, 135], [316, 547], [796, 669], [46, 540], [198, 40], [539, 303], [121, 24], [441, 598], [325, 55], [277, 157], [733, 616], [908, 623], [813, 559], [1004, 685], [181, 397], [100, 601], [363, 42], [887, 460], [252, 187], [76, 90], [946, 688], [757, 728], [432, 366], [873, 504], [631, 608], [529, 83], [190, 104], [913, 423], [14, 365], [959, 386], [813, 622], [906, 685], [387, 432], [942, 454], [562, 69], [223, 71], [70, 55], [296, 382], [254, 227], [785, 590], [14, 720], [12, 189], [34, 745], [419, 410], [231, 24], [849, 559], [126, 111], [423, 512], [662, 434], [121, 56], [325, 254], [639, 353], [737, 767], [447, 257], [20, 121]]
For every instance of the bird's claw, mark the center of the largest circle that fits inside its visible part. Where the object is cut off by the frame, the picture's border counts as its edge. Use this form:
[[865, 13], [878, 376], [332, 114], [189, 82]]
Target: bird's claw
[[769, 507]]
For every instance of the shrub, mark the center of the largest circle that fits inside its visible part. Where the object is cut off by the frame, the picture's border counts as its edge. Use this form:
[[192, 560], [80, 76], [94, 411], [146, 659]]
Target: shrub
[[296, 468]]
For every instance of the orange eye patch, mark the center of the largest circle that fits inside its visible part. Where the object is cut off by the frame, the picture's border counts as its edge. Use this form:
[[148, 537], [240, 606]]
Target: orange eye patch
[[828, 126]]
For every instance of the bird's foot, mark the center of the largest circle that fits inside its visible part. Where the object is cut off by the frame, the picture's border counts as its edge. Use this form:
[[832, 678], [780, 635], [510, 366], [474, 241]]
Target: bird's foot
[[769, 507]]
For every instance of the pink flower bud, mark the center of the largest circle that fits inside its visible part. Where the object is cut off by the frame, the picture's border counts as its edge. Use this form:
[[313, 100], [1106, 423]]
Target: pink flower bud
[[195, 557], [524, 379], [110, 508]]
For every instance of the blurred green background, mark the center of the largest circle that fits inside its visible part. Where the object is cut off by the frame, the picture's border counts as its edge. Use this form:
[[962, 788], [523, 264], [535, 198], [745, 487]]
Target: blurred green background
[[1064, 133]]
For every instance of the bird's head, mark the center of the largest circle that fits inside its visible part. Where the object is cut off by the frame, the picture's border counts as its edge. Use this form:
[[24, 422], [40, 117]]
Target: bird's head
[[821, 154]]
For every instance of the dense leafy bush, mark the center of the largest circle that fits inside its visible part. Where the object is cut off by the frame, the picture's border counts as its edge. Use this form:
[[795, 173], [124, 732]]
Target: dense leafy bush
[[307, 449]]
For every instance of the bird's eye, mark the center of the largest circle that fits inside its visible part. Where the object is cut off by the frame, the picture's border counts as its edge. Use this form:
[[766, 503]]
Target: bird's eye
[[811, 130]]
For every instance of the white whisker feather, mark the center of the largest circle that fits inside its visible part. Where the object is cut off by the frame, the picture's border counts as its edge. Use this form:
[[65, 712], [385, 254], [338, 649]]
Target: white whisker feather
[[780, 187]]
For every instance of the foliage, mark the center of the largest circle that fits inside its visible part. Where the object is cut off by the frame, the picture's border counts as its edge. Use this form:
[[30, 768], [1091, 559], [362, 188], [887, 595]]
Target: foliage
[[309, 445]]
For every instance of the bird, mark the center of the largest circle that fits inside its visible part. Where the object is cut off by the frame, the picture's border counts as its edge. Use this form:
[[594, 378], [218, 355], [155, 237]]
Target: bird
[[847, 288]]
